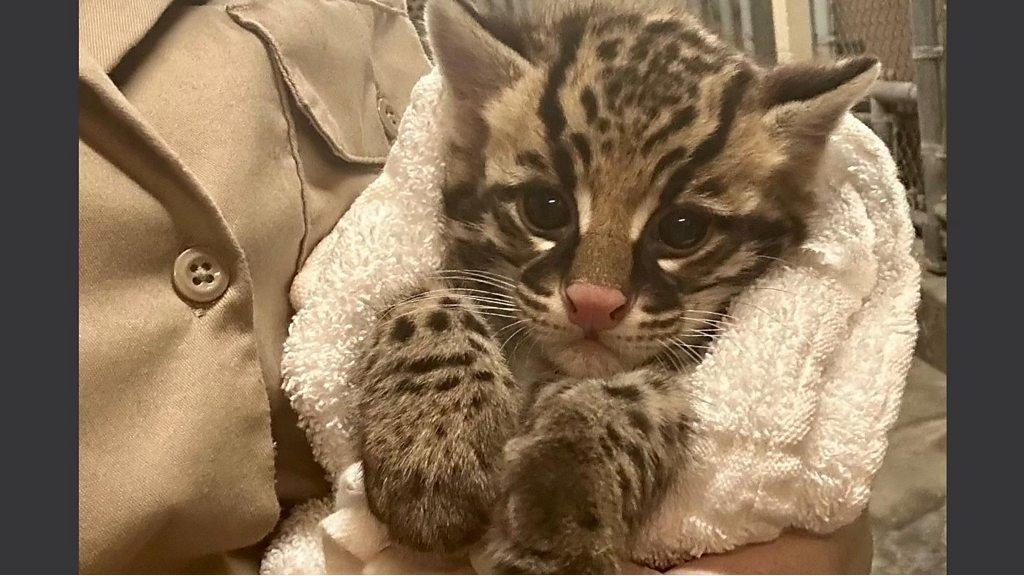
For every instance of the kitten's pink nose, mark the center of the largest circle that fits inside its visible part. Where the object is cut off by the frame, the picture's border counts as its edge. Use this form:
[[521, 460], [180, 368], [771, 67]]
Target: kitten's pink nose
[[594, 307]]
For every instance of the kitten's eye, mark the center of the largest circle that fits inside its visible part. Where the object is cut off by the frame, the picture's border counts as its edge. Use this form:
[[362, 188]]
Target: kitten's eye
[[683, 229], [544, 209]]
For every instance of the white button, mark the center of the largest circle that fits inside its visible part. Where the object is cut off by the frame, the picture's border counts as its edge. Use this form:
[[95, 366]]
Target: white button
[[199, 277], [388, 117]]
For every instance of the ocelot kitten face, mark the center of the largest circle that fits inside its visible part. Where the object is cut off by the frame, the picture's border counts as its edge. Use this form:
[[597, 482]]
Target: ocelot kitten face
[[627, 171]]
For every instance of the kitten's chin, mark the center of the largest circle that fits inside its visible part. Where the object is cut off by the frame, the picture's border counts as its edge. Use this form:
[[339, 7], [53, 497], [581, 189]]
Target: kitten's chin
[[587, 359]]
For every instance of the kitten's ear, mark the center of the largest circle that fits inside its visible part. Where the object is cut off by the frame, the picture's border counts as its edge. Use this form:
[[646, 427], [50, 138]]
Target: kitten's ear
[[808, 100], [475, 64]]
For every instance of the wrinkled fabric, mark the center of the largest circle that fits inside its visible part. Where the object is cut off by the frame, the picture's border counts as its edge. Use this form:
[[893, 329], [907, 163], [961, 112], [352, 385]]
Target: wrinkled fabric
[[191, 138]]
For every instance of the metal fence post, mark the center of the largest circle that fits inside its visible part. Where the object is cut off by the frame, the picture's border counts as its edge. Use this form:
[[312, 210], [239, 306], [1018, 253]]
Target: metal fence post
[[762, 30], [927, 54], [727, 22], [696, 7], [881, 121], [747, 27], [821, 20]]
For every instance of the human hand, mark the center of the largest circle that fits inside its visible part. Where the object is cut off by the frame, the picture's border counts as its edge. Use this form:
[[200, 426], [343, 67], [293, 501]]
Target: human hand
[[845, 551]]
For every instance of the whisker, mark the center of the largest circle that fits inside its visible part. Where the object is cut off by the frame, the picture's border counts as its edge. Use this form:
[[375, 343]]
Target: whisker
[[496, 309], [693, 349], [479, 272], [737, 302], [541, 323], [511, 325], [476, 310], [699, 346], [477, 275], [460, 290], [453, 283], [483, 303], [661, 357], [759, 309], [464, 292], [683, 347], [783, 260], [692, 332], [509, 339], [474, 277], [666, 364], [708, 322], [475, 306], [773, 289], [533, 346], [674, 358], [709, 313], [515, 348]]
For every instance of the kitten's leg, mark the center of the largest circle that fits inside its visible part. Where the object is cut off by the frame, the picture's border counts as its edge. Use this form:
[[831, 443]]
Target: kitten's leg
[[437, 405], [594, 459]]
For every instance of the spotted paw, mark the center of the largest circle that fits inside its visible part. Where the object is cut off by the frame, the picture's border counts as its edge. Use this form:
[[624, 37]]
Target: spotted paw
[[510, 558]]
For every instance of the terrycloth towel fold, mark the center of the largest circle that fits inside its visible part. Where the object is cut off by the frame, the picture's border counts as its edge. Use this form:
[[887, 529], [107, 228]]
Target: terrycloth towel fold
[[798, 394]]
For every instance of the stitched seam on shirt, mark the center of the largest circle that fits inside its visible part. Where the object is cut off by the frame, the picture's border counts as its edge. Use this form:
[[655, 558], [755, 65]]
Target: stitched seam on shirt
[[276, 56], [293, 146], [381, 6]]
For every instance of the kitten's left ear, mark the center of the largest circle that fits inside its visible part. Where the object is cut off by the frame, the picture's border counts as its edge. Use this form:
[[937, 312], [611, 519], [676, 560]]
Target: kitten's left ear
[[808, 100]]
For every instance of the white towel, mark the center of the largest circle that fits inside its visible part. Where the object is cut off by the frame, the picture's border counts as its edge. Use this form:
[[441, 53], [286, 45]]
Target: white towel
[[798, 395]]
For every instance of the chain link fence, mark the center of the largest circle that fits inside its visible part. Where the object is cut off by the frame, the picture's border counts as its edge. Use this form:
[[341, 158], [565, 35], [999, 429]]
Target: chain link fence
[[884, 28], [879, 27]]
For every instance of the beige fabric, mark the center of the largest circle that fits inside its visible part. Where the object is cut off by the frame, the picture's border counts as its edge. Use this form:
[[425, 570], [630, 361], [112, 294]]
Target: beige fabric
[[246, 130], [110, 28]]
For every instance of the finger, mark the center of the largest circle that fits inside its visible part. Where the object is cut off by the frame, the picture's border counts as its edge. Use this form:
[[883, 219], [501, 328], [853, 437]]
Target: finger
[[631, 568], [397, 559]]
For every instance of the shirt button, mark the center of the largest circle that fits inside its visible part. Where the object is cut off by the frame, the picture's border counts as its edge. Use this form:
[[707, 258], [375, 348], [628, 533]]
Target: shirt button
[[388, 117], [199, 277]]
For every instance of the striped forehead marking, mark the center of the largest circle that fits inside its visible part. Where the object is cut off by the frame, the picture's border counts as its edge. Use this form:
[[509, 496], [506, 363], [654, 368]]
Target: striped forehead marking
[[643, 214], [584, 208]]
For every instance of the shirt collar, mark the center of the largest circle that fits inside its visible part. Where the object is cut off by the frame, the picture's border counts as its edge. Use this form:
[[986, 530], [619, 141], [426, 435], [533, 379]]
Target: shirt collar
[[108, 29]]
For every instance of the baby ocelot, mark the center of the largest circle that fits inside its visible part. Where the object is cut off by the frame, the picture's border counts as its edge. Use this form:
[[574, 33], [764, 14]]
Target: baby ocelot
[[615, 175]]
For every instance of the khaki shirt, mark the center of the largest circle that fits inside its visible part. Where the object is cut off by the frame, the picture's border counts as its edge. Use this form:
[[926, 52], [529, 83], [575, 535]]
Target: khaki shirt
[[242, 130]]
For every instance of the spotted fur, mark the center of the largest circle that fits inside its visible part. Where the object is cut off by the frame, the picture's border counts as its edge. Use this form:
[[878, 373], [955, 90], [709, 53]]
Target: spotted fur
[[627, 113], [435, 346]]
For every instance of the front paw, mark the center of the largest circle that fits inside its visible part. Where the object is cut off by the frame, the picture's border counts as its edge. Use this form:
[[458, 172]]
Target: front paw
[[508, 557], [558, 514], [430, 515]]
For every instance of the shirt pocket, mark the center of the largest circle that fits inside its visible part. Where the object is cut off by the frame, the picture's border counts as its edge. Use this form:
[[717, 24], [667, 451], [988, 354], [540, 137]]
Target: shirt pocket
[[338, 61]]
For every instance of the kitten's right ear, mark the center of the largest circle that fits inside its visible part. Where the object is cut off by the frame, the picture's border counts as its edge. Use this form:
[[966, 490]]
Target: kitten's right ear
[[475, 64], [808, 100]]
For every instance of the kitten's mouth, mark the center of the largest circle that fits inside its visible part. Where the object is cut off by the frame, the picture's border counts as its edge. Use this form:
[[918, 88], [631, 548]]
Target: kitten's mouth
[[591, 344], [588, 357]]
